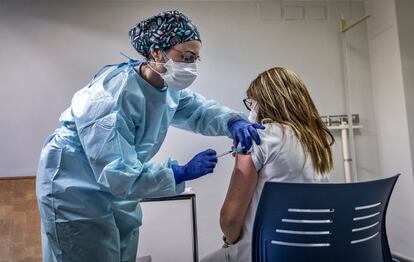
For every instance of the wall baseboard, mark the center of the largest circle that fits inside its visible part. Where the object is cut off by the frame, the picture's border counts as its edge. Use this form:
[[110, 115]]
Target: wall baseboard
[[17, 177]]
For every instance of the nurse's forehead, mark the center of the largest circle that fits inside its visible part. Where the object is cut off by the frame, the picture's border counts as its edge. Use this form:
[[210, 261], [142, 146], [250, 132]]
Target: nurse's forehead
[[190, 46]]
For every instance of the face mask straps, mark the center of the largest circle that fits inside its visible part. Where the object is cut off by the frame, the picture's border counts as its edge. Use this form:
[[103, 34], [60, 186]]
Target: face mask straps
[[178, 75]]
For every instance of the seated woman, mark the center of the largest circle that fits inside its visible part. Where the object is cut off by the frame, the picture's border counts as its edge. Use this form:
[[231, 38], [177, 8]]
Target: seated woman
[[295, 147]]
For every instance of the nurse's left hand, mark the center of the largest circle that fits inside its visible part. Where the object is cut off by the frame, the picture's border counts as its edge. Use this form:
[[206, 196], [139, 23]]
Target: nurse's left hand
[[244, 132], [202, 164]]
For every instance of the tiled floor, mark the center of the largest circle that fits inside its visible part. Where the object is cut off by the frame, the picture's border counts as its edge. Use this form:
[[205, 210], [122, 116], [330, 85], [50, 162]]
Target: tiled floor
[[19, 221]]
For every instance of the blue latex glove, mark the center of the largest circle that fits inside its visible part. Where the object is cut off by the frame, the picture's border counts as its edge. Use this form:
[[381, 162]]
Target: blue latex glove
[[202, 164], [244, 132]]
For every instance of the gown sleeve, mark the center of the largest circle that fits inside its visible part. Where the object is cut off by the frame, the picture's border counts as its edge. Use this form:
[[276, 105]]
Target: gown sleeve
[[197, 114]]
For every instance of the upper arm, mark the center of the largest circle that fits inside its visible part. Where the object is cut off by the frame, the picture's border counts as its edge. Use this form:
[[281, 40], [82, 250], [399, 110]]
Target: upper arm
[[200, 115], [242, 186]]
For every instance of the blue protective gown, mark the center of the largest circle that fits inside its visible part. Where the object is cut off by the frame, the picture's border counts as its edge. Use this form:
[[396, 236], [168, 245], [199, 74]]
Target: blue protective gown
[[94, 169]]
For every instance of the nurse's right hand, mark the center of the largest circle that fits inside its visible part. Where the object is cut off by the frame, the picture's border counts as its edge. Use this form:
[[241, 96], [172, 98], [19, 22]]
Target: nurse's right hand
[[202, 164]]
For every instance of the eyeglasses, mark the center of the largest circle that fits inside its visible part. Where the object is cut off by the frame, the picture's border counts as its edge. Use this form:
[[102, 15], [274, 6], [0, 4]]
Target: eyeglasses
[[248, 103], [187, 56]]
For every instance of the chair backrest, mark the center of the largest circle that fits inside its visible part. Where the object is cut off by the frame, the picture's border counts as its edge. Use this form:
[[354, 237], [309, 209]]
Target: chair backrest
[[322, 222]]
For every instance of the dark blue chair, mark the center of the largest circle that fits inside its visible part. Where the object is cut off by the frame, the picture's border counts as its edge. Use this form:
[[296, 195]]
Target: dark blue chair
[[320, 222]]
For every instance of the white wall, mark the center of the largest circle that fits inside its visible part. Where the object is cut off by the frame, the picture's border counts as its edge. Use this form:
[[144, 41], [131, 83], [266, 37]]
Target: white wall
[[392, 119], [50, 49], [405, 20]]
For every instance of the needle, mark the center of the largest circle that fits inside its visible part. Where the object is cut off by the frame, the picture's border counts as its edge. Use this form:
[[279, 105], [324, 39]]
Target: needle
[[225, 153], [233, 150]]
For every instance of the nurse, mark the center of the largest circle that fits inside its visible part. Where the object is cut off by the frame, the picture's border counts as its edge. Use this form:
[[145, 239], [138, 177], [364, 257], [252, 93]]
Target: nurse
[[95, 168]]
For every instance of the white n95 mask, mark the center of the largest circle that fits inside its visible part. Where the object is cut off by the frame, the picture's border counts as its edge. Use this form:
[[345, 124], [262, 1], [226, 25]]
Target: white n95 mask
[[253, 114], [179, 75]]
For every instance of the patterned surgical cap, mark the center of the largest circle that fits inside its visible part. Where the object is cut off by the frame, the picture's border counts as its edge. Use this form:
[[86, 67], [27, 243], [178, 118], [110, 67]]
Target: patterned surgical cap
[[162, 31]]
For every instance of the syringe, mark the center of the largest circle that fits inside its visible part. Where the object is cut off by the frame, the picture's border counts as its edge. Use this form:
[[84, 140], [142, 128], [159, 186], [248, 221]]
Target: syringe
[[233, 150]]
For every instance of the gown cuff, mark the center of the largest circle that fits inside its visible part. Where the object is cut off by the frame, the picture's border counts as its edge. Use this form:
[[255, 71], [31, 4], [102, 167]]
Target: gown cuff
[[179, 188]]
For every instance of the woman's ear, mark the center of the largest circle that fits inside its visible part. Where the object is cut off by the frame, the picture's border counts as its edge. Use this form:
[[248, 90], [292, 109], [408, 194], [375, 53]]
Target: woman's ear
[[156, 55]]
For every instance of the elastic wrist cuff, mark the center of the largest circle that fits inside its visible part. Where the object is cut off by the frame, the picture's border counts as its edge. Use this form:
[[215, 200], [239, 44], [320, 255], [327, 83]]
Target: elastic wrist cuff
[[178, 172], [233, 120]]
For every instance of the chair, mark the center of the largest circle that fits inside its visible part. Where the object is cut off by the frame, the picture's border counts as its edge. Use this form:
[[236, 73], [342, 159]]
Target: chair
[[320, 222]]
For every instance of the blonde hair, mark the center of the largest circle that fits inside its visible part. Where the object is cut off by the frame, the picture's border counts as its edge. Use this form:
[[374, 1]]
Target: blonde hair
[[282, 98]]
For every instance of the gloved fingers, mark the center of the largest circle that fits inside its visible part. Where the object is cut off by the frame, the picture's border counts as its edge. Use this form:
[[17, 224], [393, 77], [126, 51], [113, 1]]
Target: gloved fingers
[[254, 135], [241, 138], [210, 152], [210, 170], [212, 159], [236, 140], [210, 164], [247, 140], [258, 126]]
